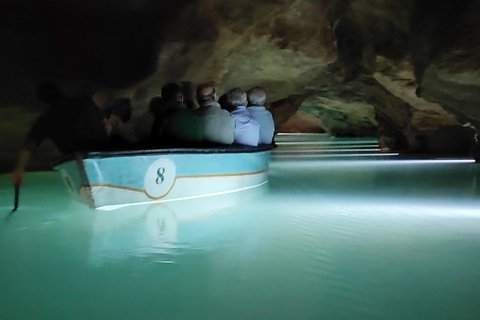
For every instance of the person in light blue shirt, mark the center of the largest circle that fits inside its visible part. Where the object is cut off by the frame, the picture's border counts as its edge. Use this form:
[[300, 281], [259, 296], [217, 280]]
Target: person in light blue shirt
[[256, 101], [247, 129]]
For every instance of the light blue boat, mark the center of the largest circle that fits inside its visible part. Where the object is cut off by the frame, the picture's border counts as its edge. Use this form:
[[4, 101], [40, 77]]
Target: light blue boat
[[108, 180]]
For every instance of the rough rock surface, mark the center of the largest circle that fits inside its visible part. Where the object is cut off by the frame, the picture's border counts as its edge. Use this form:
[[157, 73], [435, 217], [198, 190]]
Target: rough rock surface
[[407, 71]]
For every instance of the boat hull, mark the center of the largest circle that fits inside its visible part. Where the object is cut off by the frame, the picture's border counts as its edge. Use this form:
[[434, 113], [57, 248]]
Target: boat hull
[[108, 180]]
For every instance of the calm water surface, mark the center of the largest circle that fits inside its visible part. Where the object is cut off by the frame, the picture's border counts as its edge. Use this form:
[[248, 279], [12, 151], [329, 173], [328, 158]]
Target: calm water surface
[[324, 240]]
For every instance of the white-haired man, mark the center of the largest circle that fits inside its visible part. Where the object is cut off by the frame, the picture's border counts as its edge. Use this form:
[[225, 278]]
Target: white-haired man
[[247, 130], [256, 101]]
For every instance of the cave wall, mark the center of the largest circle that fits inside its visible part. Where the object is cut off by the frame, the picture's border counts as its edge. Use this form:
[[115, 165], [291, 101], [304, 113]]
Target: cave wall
[[407, 71], [412, 65]]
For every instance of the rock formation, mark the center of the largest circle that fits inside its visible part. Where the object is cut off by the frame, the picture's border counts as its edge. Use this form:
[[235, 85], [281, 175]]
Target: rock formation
[[407, 71]]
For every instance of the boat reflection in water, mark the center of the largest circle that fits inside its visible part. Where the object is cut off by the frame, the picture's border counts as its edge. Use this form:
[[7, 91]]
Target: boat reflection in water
[[163, 228]]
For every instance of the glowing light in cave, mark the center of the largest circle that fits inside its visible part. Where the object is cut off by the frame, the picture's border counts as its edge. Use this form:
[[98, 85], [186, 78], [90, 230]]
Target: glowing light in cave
[[305, 156]]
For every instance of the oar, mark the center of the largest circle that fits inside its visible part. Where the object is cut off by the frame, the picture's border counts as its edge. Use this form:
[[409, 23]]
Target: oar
[[17, 194]]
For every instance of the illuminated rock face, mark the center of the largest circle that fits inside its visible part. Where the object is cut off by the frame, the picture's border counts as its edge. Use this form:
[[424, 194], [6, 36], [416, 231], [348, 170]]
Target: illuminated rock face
[[353, 68], [407, 70]]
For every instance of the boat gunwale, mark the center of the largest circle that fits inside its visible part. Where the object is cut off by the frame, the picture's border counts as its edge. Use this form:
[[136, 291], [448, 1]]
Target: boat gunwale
[[188, 150]]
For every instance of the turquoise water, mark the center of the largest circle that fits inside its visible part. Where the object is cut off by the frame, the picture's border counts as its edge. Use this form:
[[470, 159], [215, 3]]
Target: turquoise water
[[324, 240]]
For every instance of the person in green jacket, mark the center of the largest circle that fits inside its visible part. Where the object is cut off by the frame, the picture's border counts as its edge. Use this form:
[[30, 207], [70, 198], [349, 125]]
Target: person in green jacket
[[176, 125]]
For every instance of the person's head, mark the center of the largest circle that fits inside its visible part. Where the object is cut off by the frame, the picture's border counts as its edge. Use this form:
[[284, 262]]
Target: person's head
[[224, 103], [49, 93], [256, 96], [236, 97], [206, 93], [188, 95], [171, 92], [156, 105], [122, 109], [103, 98]]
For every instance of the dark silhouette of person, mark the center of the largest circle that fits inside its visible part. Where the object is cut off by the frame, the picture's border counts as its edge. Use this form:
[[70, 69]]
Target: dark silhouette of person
[[122, 134], [74, 124], [143, 127], [176, 125]]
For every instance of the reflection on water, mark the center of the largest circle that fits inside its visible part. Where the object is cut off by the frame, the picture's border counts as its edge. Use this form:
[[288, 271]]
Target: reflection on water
[[160, 228], [476, 182], [390, 178], [324, 240]]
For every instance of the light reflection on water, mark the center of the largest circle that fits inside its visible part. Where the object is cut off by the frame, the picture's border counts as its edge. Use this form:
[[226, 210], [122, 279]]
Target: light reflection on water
[[334, 240]]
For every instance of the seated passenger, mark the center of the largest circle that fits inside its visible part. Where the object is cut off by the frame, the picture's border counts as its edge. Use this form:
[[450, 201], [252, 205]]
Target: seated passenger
[[104, 100], [143, 127], [176, 124], [247, 130], [121, 133], [188, 95], [73, 124], [219, 126], [256, 100]]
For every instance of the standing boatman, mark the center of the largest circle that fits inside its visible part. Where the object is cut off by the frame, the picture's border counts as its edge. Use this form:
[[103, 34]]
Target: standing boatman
[[73, 124]]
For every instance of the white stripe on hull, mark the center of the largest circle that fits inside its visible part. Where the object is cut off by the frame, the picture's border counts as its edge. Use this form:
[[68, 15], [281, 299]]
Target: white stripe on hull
[[183, 188]]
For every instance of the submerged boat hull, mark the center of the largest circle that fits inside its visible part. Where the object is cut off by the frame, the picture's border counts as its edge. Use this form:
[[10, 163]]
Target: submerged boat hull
[[111, 179]]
